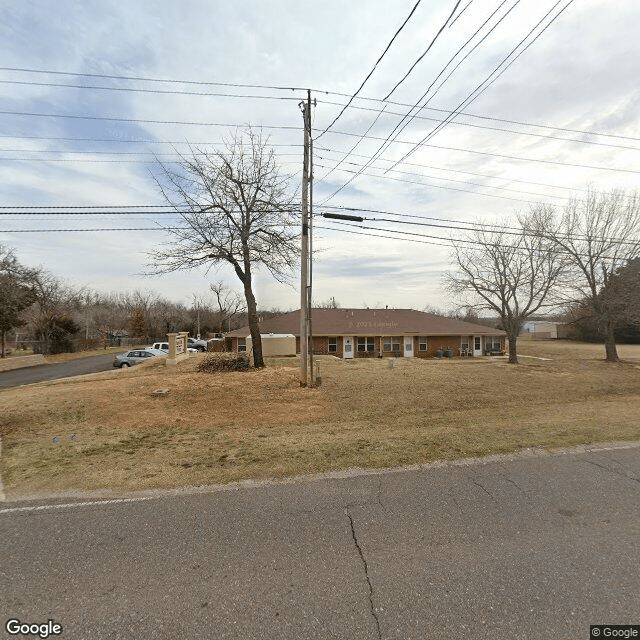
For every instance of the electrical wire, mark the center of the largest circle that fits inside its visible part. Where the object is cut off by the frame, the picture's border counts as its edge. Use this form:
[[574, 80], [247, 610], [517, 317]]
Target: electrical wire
[[154, 91], [470, 173], [160, 80], [498, 155], [475, 184], [437, 186], [112, 119], [489, 80], [409, 117], [400, 126], [479, 126], [424, 53], [372, 70]]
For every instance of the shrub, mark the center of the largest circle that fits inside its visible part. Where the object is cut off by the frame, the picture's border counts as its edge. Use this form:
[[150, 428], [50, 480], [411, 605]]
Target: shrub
[[224, 362]]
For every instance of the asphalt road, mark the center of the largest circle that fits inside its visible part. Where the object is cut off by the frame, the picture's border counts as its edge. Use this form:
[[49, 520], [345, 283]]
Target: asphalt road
[[42, 372], [537, 547]]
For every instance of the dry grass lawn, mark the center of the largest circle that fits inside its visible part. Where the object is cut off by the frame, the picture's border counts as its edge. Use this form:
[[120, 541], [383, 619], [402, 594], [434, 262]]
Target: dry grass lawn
[[221, 427]]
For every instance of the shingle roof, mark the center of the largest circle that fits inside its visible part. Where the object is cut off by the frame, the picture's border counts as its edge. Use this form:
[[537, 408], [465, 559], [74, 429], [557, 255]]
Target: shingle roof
[[368, 322]]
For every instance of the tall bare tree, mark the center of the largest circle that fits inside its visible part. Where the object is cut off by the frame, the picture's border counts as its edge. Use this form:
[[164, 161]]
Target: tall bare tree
[[510, 273], [237, 208], [599, 234]]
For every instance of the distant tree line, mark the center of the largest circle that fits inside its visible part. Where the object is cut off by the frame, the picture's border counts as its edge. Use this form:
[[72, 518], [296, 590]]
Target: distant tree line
[[39, 311]]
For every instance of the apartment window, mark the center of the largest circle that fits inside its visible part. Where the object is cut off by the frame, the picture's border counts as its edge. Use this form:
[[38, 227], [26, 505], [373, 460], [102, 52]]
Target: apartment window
[[422, 343], [242, 344], [333, 345], [366, 344], [391, 343]]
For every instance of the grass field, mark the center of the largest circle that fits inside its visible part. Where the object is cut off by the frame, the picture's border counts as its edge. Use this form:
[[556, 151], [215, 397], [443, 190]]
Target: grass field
[[112, 433]]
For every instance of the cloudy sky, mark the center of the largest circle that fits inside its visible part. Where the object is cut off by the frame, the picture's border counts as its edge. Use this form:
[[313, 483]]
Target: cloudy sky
[[83, 117]]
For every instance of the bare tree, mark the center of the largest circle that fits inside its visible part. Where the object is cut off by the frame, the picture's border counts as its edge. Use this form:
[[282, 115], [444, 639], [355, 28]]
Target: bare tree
[[237, 209], [51, 316], [230, 304], [17, 293], [507, 272], [599, 235]]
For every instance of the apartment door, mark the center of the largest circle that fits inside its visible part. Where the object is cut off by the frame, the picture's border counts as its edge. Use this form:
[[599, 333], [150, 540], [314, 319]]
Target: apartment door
[[408, 347], [347, 350]]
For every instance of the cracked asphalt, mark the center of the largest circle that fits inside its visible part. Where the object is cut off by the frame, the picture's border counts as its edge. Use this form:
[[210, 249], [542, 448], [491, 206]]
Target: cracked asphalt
[[531, 547]]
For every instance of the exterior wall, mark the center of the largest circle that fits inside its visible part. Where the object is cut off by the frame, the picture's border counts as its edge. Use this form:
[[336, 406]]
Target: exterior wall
[[276, 346], [321, 346], [540, 330], [441, 342]]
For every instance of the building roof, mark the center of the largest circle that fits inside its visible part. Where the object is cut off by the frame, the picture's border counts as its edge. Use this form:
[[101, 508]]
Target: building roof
[[371, 322]]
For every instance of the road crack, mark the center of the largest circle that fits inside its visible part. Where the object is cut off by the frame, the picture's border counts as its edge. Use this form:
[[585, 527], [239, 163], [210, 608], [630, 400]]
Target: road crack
[[614, 471], [366, 574], [485, 490]]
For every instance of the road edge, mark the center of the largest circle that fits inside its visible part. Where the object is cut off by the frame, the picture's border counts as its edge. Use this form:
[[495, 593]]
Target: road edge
[[110, 496]]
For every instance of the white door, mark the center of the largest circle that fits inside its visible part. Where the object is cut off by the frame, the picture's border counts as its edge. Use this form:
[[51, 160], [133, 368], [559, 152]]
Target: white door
[[347, 350], [477, 346], [408, 347]]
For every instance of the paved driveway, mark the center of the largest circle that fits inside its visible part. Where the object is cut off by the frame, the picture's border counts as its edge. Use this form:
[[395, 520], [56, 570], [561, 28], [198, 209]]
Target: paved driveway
[[41, 372], [528, 548]]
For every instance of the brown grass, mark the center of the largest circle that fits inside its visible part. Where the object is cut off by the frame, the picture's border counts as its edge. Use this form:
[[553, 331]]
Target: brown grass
[[221, 427]]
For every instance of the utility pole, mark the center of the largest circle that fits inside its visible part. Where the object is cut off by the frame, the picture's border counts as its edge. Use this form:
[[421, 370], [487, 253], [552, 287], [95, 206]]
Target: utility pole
[[312, 376], [304, 253]]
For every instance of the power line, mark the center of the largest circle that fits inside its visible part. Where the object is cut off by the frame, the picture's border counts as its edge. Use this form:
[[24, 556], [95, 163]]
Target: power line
[[373, 235], [119, 153], [449, 240], [122, 140], [460, 14], [316, 90], [89, 206], [498, 155], [471, 226], [323, 91], [437, 186], [154, 91], [479, 126], [160, 80], [91, 230], [409, 117], [382, 148], [413, 66], [470, 173], [180, 122], [475, 184], [488, 81], [372, 70]]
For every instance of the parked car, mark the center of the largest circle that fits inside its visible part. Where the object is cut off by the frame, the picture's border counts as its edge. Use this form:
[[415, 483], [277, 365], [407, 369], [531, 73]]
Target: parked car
[[164, 346], [130, 358], [198, 345]]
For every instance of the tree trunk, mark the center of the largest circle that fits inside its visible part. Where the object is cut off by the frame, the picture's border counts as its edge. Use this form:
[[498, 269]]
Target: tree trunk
[[513, 348], [610, 344], [254, 326], [2, 351]]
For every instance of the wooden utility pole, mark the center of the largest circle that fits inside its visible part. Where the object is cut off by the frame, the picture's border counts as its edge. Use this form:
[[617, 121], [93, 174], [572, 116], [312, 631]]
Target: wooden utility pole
[[312, 375], [304, 253]]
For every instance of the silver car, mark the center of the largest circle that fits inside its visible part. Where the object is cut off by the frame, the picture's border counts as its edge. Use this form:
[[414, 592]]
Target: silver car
[[130, 358]]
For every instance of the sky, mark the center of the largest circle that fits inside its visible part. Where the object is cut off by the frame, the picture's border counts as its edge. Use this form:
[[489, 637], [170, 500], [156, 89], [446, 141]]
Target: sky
[[562, 117]]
